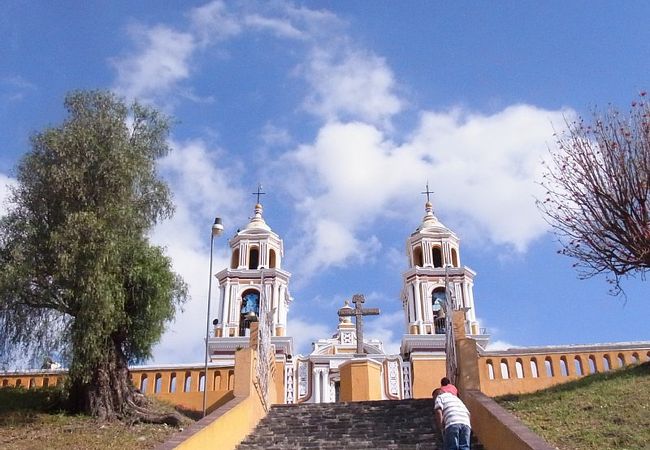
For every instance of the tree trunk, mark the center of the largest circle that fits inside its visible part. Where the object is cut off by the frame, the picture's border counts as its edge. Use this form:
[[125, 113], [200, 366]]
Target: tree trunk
[[110, 395]]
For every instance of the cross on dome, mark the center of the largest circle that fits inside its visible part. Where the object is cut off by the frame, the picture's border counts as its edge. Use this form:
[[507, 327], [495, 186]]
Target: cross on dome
[[427, 192], [259, 192]]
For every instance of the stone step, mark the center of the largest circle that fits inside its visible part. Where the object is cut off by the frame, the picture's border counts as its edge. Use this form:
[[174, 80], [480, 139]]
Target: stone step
[[390, 424]]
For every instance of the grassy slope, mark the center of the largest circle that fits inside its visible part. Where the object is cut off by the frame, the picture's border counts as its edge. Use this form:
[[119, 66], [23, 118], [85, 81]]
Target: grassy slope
[[602, 411], [32, 419]]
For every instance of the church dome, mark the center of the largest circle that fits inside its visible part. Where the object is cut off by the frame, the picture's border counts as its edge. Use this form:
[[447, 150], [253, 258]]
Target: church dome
[[430, 222], [257, 221]]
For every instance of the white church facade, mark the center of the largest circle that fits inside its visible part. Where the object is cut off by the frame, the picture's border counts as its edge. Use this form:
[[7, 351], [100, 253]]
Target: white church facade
[[256, 287]]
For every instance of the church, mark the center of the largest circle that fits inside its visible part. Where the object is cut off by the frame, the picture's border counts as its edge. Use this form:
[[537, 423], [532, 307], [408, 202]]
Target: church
[[255, 287], [252, 370]]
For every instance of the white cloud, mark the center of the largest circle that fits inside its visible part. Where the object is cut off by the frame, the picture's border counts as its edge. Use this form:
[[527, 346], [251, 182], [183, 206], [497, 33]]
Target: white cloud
[[202, 189], [499, 345], [483, 169], [272, 135], [388, 328], [280, 28], [213, 22], [161, 60], [5, 184], [15, 88], [350, 84], [306, 331]]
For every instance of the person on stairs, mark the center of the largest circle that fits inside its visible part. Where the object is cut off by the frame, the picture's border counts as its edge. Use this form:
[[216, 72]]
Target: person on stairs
[[446, 386], [452, 416]]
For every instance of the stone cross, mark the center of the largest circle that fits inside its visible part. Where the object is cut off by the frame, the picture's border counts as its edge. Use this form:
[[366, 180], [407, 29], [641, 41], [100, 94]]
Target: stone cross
[[358, 312]]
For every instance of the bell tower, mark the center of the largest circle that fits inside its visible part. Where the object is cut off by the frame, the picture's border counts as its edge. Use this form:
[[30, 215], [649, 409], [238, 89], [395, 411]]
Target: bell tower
[[435, 269], [254, 284]]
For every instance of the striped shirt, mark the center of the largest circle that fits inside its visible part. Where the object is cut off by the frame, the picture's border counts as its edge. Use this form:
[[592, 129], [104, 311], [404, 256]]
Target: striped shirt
[[453, 409]]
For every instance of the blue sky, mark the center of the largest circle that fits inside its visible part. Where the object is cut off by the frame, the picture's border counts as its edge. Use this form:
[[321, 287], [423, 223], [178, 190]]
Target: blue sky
[[343, 111]]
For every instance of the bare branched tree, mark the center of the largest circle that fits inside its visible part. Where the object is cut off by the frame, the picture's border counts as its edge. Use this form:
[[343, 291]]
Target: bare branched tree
[[597, 193]]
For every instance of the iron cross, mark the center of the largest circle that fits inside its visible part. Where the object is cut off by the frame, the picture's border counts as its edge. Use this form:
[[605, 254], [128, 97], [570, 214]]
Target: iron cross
[[427, 192], [259, 192], [358, 312]]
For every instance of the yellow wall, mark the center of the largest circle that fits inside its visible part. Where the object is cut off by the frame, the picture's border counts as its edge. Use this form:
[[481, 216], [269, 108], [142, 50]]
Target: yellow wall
[[278, 398], [496, 428], [228, 425], [156, 382], [360, 380], [33, 380], [498, 384], [426, 375]]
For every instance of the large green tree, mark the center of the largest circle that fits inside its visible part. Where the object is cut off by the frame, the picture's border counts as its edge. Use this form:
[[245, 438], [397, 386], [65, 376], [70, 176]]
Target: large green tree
[[78, 274]]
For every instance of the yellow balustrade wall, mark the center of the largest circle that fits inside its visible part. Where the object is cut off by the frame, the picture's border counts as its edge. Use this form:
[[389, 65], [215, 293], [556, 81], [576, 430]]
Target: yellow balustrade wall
[[515, 372], [179, 385], [32, 378]]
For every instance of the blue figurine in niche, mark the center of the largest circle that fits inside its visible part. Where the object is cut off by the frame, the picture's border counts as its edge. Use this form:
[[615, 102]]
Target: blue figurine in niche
[[251, 303]]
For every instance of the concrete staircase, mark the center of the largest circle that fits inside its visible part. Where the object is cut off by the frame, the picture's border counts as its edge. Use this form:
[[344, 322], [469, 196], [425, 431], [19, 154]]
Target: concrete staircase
[[389, 424]]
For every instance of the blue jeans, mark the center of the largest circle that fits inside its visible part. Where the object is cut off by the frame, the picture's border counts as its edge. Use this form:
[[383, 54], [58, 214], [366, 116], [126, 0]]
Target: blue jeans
[[457, 437]]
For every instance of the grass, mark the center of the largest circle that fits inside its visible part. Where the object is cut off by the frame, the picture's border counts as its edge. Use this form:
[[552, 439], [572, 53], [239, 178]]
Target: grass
[[602, 411], [34, 419]]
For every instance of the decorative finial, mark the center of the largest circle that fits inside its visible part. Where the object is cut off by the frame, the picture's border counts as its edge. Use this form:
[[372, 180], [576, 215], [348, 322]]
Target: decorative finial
[[259, 192]]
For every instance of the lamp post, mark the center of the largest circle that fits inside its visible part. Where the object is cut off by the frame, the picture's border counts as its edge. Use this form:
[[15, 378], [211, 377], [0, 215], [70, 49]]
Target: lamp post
[[450, 341], [217, 229]]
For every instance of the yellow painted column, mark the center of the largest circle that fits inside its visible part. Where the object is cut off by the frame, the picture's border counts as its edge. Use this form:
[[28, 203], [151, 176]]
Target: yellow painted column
[[360, 380]]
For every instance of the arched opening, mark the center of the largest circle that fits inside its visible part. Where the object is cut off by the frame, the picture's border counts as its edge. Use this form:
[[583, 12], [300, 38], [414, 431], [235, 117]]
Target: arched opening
[[592, 364], [158, 384], [46, 382], [19, 382], [648, 356], [217, 381], [231, 380], [564, 368], [172, 382], [438, 306], [144, 381], [519, 368], [188, 382], [5, 382], [548, 364], [607, 364], [234, 259], [272, 260], [533, 368], [254, 258], [577, 364], [505, 370], [417, 256], [32, 383], [250, 302], [621, 360], [437, 257], [490, 368], [454, 257], [635, 358], [201, 381]]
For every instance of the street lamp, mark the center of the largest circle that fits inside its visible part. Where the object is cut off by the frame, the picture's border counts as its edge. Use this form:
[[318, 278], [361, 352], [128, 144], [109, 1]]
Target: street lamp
[[217, 229]]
